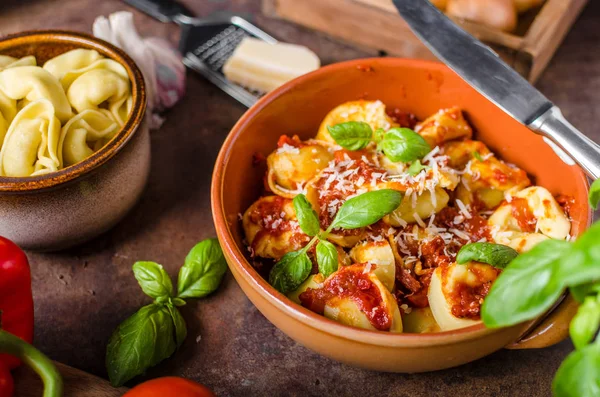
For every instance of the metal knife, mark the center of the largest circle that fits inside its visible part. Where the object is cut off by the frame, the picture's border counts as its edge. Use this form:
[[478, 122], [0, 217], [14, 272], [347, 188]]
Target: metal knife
[[481, 67]]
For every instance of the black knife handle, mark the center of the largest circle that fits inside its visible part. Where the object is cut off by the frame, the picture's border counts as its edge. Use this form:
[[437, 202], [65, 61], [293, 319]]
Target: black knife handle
[[163, 10]]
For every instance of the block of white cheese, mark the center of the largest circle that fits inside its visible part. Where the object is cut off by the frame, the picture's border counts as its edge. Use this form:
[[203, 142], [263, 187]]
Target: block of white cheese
[[261, 66]]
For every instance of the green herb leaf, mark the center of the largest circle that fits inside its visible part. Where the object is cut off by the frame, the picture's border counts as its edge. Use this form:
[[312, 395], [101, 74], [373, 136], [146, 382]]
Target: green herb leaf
[[307, 217], [140, 342], [496, 255], [202, 271], [579, 374], [327, 258], [595, 194], [416, 167], [179, 324], [366, 209], [584, 325], [153, 279], [581, 266], [477, 156], [351, 135], [580, 292], [527, 287], [403, 144], [291, 271]]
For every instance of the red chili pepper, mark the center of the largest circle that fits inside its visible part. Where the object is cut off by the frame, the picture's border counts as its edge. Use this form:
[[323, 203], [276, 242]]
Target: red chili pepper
[[170, 386], [7, 386], [16, 301]]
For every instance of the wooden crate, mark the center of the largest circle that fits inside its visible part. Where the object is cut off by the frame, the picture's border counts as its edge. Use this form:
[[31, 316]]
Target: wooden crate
[[376, 26]]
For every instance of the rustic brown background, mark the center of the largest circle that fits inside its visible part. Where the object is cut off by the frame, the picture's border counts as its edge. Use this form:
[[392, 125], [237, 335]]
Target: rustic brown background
[[82, 294]]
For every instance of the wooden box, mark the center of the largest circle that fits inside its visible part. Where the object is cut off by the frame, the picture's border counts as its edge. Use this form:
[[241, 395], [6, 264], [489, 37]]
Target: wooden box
[[376, 26]]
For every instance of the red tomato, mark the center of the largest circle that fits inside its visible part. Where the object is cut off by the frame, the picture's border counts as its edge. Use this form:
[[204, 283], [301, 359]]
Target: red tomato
[[6, 382], [170, 386]]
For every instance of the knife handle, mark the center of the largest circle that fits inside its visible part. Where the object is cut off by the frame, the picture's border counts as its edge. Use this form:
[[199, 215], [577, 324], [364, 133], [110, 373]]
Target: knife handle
[[584, 151], [163, 10]]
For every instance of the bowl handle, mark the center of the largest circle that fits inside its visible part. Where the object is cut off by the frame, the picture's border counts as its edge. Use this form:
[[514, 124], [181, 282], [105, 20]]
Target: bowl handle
[[550, 330]]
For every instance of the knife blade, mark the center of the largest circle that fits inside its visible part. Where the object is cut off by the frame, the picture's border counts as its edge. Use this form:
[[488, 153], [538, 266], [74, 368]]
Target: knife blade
[[483, 69]]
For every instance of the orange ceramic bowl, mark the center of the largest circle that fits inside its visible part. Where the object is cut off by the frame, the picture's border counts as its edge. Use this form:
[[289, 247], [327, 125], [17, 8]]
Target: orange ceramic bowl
[[421, 88]]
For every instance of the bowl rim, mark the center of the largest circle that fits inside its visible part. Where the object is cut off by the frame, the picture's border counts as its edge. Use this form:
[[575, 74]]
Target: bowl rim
[[237, 259], [125, 133]]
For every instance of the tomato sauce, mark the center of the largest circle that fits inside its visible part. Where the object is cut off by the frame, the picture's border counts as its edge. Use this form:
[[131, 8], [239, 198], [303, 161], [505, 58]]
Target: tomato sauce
[[333, 192], [567, 203], [467, 300], [351, 282], [271, 217], [404, 119], [523, 215], [292, 141]]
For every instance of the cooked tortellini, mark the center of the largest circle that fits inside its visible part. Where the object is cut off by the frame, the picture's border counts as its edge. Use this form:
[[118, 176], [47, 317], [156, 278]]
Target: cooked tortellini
[[354, 296], [454, 293], [370, 112], [532, 210], [398, 274], [86, 133], [294, 163], [59, 114], [32, 143], [271, 227], [10, 62], [443, 126], [422, 206], [380, 254]]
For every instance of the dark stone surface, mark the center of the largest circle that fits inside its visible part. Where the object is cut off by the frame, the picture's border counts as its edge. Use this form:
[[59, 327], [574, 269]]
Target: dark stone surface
[[82, 294]]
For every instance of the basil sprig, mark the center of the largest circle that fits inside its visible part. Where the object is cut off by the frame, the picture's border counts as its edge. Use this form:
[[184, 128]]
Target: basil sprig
[[155, 331], [496, 255], [398, 144], [594, 197], [416, 167], [534, 280], [360, 211]]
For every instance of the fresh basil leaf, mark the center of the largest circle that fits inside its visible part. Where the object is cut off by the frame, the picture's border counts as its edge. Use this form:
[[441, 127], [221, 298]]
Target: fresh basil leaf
[[403, 144], [580, 292], [586, 322], [177, 302], [496, 255], [581, 266], [579, 374], [153, 279], [291, 271], [351, 135], [378, 135], [366, 209], [307, 217], [202, 271], [327, 258], [179, 324], [594, 197], [416, 167], [477, 156], [140, 342], [527, 287]]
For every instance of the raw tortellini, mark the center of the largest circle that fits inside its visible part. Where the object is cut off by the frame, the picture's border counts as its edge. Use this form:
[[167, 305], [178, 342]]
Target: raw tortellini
[[59, 114]]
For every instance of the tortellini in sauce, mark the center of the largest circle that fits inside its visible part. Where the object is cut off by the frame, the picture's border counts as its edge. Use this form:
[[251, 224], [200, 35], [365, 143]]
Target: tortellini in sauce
[[271, 227], [354, 296], [58, 115], [459, 193], [455, 292], [294, 163], [370, 112]]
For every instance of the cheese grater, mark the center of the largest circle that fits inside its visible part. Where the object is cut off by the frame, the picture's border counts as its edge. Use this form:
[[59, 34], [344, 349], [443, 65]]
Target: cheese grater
[[207, 43]]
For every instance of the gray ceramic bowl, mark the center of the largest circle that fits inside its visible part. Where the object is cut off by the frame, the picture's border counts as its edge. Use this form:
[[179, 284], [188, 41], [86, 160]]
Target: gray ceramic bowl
[[75, 204]]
